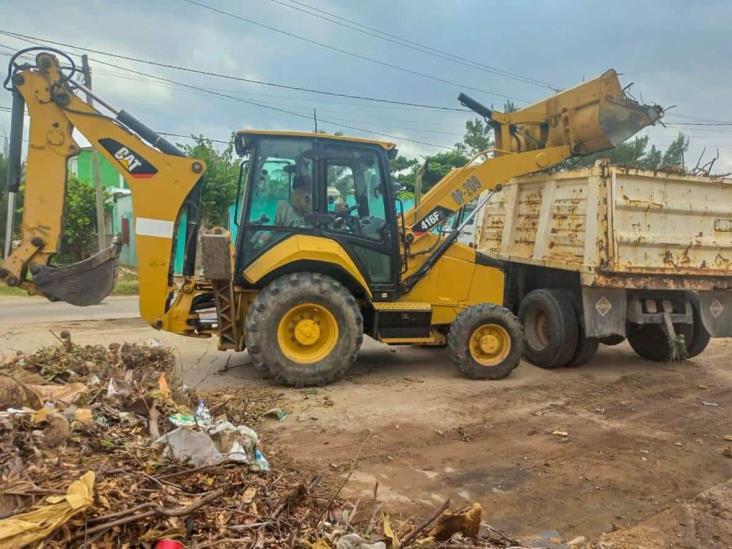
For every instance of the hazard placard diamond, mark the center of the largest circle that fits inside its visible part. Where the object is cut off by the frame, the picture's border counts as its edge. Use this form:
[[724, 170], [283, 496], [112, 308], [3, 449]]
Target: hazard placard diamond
[[603, 306], [716, 308]]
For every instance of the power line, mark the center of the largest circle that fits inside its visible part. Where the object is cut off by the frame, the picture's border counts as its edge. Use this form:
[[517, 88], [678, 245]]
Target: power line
[[255, 103], [699, 124], [269, 107], [351, 53], [29, 38], [398, 40]]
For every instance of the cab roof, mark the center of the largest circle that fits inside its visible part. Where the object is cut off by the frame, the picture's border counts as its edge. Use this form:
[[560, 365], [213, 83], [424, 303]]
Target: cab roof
[[386, 145]]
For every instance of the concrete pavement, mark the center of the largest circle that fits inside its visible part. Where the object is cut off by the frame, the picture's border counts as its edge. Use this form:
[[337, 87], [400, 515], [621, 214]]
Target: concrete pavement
[[27, 310]]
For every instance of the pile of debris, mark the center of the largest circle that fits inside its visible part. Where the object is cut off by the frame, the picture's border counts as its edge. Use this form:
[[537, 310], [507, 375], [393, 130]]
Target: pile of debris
[[103, 447]]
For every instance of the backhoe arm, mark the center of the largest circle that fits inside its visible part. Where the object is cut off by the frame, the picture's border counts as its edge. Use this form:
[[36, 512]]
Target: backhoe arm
[[160, 180], [591, 117]]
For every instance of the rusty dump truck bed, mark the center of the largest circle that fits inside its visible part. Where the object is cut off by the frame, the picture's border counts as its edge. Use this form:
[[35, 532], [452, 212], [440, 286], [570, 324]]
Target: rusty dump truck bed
[[617, 227]]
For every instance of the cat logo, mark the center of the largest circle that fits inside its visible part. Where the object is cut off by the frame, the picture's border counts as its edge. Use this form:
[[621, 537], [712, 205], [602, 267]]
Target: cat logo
[[133, 163], [127, 159]]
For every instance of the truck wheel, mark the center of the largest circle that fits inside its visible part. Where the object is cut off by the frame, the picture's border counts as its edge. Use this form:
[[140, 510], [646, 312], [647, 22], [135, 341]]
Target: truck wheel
[[612, 340], [586, 346], [649, 341], [699, 335], [485, 341], [550, 328], [305, 328]]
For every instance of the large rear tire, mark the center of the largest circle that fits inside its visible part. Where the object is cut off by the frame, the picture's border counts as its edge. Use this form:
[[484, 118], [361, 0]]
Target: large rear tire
[[550, 327], [485, 341], [586, 346], [699, 335], [305, 329]]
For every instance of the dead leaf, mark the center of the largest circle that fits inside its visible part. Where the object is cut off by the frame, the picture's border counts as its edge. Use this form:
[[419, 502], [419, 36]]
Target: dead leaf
[[389, 531], [164, 387], [248, 495]]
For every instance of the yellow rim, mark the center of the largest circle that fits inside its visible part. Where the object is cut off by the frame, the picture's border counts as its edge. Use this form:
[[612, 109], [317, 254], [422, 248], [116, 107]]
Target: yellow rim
[[307, 333], [489, 344]]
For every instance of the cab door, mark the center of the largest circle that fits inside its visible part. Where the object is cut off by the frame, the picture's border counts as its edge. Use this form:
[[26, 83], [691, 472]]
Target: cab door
[[360, 213]]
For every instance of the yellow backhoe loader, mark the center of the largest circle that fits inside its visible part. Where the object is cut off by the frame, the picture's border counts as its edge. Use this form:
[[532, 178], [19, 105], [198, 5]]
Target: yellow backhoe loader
[[323, 253]]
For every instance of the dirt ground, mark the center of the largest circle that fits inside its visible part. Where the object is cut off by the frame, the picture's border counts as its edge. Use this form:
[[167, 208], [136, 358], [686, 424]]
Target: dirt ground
[[642, 458]]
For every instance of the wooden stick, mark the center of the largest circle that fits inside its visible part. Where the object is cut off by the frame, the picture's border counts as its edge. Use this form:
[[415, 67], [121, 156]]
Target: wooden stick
[[158, 510], [412, 536], [354, 462]]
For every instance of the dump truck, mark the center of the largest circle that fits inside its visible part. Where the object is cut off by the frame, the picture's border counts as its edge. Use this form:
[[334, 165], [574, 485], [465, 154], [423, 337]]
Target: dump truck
[[605, 253], [310, 272]]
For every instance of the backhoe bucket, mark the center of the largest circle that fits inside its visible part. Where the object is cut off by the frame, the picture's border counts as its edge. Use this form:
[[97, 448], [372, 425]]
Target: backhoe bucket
[[84, 283]]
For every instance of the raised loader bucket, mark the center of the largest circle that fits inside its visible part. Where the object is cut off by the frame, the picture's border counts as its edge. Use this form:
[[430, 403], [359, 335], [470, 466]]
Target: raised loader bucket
[[87, 282], [600, 115], [622, 119]]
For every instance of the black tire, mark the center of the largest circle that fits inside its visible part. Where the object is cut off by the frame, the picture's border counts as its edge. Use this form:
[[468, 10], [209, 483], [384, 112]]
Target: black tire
[[699, 335], [550, 328], [462, 330], [586, 346], [273, 303], [612, 340], [649, 341]]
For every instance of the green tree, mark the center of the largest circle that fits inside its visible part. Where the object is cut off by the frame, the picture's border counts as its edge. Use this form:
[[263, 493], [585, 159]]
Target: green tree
[[4, 204], [635, 154], [479, 134], [478, 137], [674, 155], [404, 172], [439, 165], [3, 197], [219, 181], [79, 229]]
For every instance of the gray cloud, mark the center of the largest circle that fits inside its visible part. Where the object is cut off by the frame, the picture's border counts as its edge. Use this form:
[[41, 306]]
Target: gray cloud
[[677, 53]]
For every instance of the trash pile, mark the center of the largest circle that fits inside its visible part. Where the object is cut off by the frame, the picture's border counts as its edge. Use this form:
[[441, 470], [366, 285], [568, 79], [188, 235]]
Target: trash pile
[[104, 447]]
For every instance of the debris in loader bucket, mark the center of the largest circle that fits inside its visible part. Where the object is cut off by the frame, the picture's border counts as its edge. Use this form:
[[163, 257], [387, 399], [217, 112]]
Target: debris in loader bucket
[[102, 481], [86, 282]]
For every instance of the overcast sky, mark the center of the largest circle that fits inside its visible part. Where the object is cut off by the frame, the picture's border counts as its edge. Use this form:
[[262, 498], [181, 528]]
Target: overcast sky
[[676, 52]]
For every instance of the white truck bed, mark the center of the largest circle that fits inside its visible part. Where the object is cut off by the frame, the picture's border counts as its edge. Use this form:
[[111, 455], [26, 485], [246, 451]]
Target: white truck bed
[[615, 227]]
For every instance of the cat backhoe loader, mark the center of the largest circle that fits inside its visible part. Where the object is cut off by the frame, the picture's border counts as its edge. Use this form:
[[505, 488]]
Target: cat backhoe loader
[[323, 252]]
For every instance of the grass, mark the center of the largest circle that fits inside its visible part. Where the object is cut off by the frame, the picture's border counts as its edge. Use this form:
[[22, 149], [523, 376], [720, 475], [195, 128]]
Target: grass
[[6, 290], [127, 282]]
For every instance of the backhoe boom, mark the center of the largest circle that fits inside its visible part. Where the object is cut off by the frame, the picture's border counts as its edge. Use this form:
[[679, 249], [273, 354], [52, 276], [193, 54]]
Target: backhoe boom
[[160, 180]]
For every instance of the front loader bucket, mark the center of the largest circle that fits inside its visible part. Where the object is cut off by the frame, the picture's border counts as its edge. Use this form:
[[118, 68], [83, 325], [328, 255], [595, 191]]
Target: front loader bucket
[[87, 282], [621, 119], [594, 116]]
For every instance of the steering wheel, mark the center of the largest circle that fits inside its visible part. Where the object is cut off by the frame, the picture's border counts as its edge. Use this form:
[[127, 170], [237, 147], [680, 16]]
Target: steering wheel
[[351, 221]]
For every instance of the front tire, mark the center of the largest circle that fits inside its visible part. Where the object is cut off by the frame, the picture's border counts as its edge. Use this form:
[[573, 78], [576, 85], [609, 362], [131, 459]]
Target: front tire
[[305, 329], [485, 341]]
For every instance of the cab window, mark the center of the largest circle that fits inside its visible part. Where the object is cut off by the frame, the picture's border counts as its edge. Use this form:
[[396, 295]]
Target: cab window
[[355, 191], [282, 184]]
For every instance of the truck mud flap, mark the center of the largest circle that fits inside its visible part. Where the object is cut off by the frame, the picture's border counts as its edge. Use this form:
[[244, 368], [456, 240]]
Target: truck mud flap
[[83, 283], [604, 311], [716, 312]]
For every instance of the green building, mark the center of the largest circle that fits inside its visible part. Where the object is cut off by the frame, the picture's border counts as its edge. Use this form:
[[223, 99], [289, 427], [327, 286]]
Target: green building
[[81, 167], [120, 221]]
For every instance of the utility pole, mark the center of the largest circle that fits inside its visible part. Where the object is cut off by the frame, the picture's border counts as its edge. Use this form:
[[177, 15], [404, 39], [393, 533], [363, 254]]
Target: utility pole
[[96, 170]]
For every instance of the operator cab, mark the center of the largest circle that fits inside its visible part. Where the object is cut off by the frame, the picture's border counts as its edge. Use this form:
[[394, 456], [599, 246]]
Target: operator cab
[[322, 186]]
